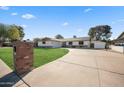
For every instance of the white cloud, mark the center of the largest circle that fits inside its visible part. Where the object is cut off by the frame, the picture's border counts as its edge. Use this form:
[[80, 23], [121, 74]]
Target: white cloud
[[28, 16], [4, 8], [14, 14], [65, 24], [88, 10], [24, 26], [80, 30]]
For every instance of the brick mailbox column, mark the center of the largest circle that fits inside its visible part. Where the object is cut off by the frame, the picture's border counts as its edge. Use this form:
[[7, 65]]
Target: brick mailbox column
[[23, 57]]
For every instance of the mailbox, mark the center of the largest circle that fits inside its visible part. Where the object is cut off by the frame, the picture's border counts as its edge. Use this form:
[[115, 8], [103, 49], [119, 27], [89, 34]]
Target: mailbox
[[23, 57]]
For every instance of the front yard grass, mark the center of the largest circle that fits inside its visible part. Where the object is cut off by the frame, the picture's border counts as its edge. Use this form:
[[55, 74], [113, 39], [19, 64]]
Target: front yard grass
[[41, 55]]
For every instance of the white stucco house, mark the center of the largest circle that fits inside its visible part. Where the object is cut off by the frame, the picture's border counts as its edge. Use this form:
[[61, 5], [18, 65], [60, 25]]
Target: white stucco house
[[120, 40], [118, 44], [82, 42], [49, 42]]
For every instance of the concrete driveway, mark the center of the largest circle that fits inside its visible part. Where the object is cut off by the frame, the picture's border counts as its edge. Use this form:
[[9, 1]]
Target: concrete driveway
[[80, 67]]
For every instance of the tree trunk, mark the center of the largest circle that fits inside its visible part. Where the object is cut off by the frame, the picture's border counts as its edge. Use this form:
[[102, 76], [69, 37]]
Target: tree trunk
[[1, 44], [90, 42], [107, 45]]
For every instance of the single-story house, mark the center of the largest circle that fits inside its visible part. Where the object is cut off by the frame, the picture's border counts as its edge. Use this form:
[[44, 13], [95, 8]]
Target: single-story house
[[120, 40], [118, 44], [82, 42]]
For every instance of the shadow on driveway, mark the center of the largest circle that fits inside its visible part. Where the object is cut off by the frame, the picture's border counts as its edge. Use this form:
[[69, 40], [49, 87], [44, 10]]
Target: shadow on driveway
[[10, 79]]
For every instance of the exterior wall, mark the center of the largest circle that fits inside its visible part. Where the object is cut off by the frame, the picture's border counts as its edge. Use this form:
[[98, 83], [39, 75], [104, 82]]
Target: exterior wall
[[53, 44], [87, 43], [118, 48], [75, 43], [98, 44], [48, 43], [67, 43], [56, 44]]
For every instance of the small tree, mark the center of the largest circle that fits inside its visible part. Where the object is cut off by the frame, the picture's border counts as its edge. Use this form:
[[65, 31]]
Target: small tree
[[59, 36], [13, 34], [74, 36], [21, 31]]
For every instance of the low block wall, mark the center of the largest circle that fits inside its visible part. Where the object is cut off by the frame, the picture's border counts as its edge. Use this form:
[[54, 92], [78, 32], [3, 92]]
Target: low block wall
[[118, 48]]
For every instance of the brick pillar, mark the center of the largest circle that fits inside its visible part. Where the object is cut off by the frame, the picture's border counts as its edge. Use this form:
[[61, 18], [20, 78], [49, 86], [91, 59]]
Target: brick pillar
[[23, 57]]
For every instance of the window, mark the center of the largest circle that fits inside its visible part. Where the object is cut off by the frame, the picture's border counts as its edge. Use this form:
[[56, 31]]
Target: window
[[70, 43], [81, 42], [44, 42]]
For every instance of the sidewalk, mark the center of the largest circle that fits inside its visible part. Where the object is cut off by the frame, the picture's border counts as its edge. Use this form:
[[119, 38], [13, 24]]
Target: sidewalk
[[4, 69]]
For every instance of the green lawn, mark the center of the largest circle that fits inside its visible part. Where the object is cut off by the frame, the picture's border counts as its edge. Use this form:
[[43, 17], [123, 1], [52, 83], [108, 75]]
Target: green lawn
[[41, 55]]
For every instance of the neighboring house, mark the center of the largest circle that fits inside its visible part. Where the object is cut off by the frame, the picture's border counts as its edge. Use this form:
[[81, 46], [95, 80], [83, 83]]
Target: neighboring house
[[82, 42], [120, 40], [118, 44], [7, 43]]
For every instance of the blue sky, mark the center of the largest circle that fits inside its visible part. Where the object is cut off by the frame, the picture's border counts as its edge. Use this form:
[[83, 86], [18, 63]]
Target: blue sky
[[41, 21]]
